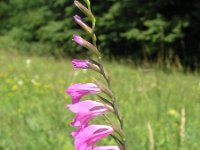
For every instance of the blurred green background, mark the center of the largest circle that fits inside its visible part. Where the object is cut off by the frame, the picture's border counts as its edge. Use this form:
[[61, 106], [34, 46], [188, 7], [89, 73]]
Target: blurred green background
[[166, 30], [149, 47]]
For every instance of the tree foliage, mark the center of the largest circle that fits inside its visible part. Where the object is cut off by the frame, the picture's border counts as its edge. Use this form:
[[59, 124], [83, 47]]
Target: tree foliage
[[135, 28]]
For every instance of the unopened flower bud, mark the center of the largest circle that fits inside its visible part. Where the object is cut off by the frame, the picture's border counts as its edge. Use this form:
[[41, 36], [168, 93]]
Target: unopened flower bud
[[104, 88], [82, 42], [86, 11], [85, 64], [82, 64], [78, 40], [79, 20]]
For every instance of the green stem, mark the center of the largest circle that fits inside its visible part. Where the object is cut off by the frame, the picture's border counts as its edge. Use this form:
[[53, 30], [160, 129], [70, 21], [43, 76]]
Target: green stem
[[119, 131]]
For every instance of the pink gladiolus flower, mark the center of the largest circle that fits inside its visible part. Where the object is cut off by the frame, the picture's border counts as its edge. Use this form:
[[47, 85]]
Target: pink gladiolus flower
[[106, 148], [86, 139], [85, 111], [79, 40], [78, 90], [83, 64]]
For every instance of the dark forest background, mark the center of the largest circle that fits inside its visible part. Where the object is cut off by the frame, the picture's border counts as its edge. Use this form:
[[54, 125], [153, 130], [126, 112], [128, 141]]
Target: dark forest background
[[141, 30]]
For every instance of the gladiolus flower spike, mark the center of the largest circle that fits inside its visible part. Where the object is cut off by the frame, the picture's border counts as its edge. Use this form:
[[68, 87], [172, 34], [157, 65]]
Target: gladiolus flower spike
[[86, 136]]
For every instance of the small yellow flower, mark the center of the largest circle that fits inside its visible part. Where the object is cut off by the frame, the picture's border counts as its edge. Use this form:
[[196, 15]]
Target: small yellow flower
[[173, 112], [20, 110], [9, 81], [35, 83], [153, 84], [67, 96], [85, 79], [14, 88], [48, 86], [28, 62]]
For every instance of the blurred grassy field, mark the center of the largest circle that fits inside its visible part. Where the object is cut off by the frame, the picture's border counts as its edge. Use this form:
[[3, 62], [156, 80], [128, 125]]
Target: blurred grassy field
[[33, 114]]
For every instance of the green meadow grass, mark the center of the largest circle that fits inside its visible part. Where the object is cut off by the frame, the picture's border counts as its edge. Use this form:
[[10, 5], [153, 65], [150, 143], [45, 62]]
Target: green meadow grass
[[33, 114]]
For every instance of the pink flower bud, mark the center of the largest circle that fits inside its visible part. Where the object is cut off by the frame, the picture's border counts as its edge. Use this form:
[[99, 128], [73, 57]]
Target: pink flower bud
[[86, 139], [86, 64], [78, 90], [82, 42], [83, 64], [77, 18], [79, 40], [82, 24]]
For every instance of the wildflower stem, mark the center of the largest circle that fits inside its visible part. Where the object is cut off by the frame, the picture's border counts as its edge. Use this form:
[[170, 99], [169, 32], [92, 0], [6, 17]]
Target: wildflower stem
[[118, 131], [122, 143], [182, 127], [118, 113], [150, 136]]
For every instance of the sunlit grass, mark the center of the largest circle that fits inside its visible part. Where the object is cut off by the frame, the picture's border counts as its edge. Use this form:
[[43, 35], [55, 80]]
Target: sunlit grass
[[33, 98]]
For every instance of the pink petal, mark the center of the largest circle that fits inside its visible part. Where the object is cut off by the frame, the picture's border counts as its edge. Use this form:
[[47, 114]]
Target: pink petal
[[78, 90], [90, 135], [86, 106], [86, 111]]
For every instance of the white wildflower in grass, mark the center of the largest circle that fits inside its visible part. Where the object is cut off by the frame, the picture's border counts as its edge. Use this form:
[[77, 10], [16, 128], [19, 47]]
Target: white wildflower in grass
[[28, 62], [20, 82], [36, 76], [84, 71], [76, 73], [33, 80]]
